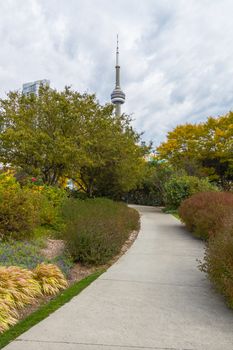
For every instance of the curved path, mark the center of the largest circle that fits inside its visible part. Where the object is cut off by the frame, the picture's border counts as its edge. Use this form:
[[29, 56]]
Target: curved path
[[154, 297]]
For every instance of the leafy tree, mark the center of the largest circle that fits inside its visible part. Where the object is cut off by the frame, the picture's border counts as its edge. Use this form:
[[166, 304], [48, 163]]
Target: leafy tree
[[115, 160], [151, 190], [66, 134], [181, 148], [216, 148], [42, 134], [203, 149]]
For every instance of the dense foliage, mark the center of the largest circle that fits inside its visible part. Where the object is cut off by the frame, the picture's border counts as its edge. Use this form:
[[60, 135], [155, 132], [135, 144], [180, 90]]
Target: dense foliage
[[165, 185], [22, 209], [203, 149], [178, 188], [67, 134], [18, 208], [96, 229], [151, 190]]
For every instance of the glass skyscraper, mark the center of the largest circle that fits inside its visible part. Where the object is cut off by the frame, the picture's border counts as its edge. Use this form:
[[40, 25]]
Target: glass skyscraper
[[33, 87]]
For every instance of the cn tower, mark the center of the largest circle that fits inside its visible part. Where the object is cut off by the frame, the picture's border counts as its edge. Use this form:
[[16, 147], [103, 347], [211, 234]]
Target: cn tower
[[117, 96]]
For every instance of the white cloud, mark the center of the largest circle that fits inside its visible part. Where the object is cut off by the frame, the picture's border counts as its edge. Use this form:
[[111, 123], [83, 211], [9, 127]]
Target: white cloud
[[176, 55]]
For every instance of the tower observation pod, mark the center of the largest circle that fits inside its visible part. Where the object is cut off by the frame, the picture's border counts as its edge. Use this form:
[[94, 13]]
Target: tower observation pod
[[117, 96]]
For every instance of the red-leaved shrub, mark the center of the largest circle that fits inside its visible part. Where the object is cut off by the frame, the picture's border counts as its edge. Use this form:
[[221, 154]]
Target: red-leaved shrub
[[218, 264], [208, 213]]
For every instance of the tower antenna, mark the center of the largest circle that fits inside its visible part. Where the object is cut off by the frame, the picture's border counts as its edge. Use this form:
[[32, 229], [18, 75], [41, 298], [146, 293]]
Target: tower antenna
[[117, 51]]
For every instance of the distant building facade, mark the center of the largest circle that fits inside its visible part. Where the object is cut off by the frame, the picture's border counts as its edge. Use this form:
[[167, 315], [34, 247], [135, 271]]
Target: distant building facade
[[33, 87]]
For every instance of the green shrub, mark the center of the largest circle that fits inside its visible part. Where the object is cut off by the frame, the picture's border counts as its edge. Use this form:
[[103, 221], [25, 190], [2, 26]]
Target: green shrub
[[208, 213], [24, 208], [18, 212], [18, 208], [48, 213], [179, 188], [54, 194], [96, 229], [51, 200]]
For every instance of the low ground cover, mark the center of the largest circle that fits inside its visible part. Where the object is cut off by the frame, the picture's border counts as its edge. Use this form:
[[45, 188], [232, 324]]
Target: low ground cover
[[29, 253]]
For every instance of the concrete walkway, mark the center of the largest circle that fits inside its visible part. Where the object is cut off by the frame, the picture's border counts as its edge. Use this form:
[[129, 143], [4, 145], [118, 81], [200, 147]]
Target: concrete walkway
[[154, 297]]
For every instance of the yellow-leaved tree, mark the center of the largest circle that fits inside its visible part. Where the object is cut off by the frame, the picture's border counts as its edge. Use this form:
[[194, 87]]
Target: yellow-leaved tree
[[202, 149]]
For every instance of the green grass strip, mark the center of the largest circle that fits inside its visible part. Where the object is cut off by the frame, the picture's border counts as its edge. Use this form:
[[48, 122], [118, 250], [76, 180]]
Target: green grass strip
[[176, 215], [45, 310], [173, 212]]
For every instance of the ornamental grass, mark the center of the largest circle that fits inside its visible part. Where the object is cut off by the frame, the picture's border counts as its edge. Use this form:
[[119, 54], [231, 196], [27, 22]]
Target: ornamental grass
[[50, 278], [21, 287]]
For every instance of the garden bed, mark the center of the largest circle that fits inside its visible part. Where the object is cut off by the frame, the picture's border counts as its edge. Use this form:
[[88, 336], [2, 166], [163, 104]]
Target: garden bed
[[50, 241], [77, 272]]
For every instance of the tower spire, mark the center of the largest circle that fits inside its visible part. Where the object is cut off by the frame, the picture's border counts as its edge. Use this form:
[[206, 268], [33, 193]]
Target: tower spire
[[117, 52], [117, 96], [117, 65]]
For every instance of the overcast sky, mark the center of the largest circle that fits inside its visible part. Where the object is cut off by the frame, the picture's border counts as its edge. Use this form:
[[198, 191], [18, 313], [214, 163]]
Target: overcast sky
[[176, 55]]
